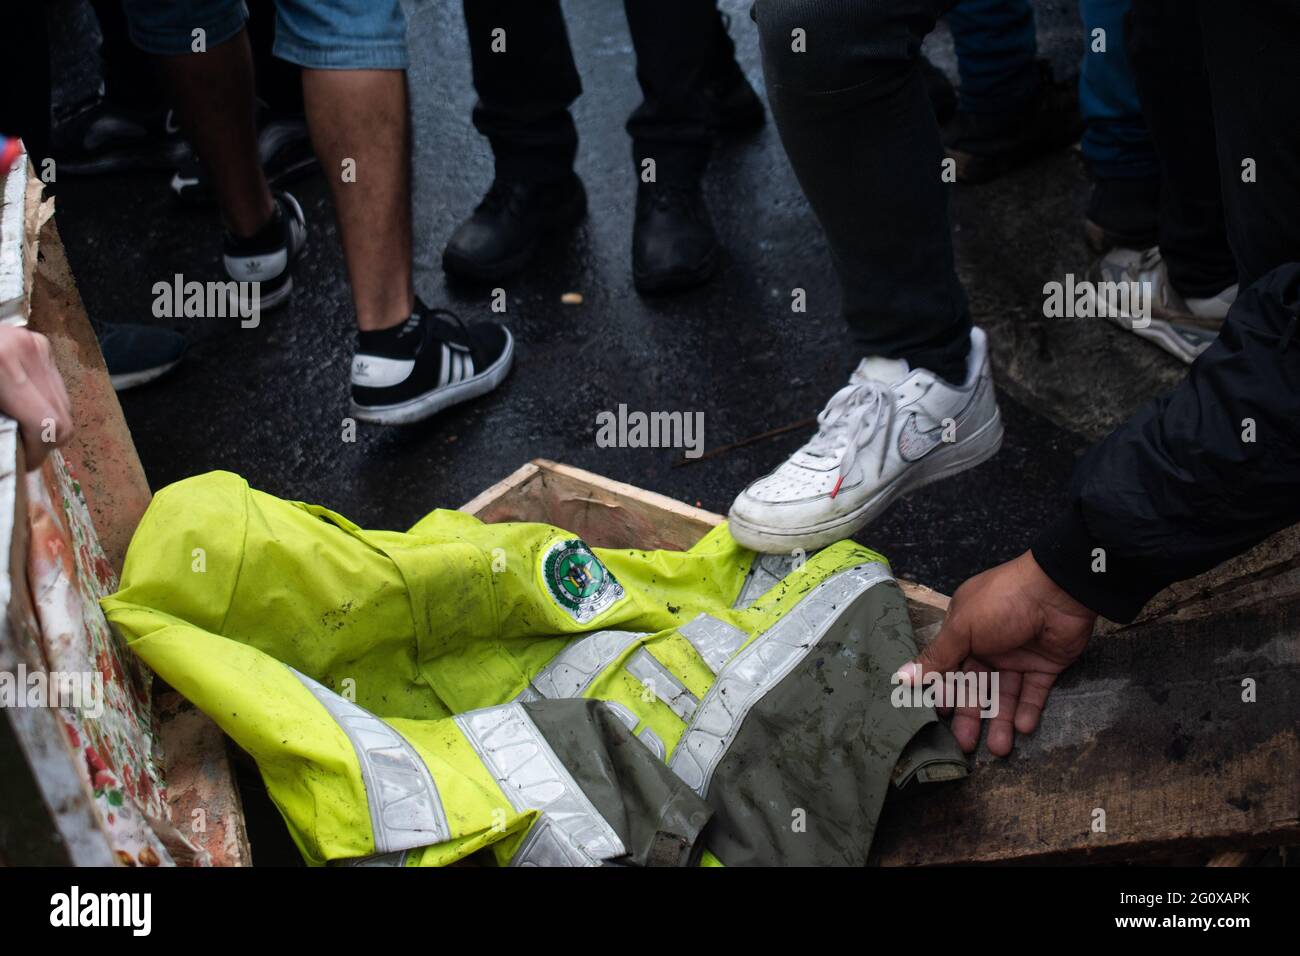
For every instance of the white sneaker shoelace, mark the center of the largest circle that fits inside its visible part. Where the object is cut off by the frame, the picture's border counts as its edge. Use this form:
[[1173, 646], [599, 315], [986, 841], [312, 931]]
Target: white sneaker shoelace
[[839, 424]]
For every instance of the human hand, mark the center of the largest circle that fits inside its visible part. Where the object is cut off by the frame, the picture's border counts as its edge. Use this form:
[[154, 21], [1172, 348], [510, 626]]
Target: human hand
[[32, 392], [1015, 620]]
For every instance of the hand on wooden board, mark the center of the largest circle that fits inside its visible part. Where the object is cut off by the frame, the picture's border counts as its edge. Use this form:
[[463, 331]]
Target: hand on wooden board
[[32, 392], [1012, 620]]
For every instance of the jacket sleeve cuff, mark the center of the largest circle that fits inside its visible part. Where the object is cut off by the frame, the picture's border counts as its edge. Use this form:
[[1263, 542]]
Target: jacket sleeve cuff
[[1068, 554]]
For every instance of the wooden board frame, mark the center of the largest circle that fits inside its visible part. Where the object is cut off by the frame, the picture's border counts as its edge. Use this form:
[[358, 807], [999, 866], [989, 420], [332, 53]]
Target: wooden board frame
[[611, 514]]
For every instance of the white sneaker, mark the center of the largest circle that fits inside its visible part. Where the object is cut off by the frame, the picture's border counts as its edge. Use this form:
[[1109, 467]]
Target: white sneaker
[[890, 430], [1182, 326]]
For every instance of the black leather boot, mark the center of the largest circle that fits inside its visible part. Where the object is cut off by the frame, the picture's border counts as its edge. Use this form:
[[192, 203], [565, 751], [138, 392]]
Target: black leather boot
[[674, 247], [506, 227]]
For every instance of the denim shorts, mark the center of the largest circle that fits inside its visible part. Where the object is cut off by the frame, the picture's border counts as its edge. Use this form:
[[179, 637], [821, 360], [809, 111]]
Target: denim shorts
[[318, 34]]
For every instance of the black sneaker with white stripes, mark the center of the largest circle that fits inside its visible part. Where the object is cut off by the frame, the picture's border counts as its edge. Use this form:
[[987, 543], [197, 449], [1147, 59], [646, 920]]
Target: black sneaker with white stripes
[[430, 362], [265, 257]]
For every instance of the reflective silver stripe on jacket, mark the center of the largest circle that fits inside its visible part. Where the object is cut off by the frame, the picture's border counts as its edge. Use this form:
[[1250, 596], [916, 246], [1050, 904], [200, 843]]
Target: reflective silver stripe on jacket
[[405, 809], [378, 860], [527, 695], [546, 845], [763, 575], [645, 668], [623, 712], [760, 667], [533, 778], [714, 640], [570, 672], [651, 740]]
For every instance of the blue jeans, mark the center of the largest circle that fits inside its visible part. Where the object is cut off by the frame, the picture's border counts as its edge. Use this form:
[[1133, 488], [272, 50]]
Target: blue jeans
[[997, 52], [317, 34], [1116, 143]]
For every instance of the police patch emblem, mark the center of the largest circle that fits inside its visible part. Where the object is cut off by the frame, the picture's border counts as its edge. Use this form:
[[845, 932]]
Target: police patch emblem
[[577, 581]]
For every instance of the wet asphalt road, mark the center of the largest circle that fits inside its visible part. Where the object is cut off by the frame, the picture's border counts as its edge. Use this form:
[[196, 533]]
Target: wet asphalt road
[[269, 403]]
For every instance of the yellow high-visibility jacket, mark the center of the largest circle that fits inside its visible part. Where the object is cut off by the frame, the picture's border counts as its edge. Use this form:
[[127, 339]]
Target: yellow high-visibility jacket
[[506, 693]]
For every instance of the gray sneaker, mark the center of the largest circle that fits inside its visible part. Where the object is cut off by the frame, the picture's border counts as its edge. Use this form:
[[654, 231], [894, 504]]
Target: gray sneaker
[[1183, 326]]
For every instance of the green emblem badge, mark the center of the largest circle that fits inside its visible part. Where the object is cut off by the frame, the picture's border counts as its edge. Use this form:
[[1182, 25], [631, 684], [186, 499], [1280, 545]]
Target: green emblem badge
[[577, 580]]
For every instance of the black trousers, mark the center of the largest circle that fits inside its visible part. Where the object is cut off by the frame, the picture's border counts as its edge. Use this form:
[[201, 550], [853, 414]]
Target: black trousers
[[1166, 48], [525, 92], [1252, 52], [857, 125], [1175, 490]]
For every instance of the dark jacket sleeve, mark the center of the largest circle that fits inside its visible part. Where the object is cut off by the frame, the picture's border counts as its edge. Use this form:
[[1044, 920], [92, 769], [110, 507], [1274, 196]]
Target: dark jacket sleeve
[[1196, 476]]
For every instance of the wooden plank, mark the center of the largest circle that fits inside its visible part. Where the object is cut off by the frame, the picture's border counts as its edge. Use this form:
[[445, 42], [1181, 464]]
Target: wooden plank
[[101, 453], [1149, 727], [605, 513], [1232, 858], [500, 494], [203, 803], [1268, 572], [926, 608]]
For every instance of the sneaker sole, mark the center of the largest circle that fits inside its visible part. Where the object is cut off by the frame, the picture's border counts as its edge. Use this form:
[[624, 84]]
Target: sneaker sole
[[1158, 313], [277, 298], [940, 464], [430, 403], [131, 379], [1161, 333]]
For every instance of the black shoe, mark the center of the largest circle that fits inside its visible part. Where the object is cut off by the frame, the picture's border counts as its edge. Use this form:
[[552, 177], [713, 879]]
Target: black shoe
[[674, 247], [283, 145], [108, 137], [507, 226], [943, 98], [430, 362], [266, 257], [136, 354], [987, 145], [1123, 213]]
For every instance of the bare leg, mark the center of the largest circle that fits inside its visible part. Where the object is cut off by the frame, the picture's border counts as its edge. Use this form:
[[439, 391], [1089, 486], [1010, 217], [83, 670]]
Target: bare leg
[[214, 97], [360, 115]]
